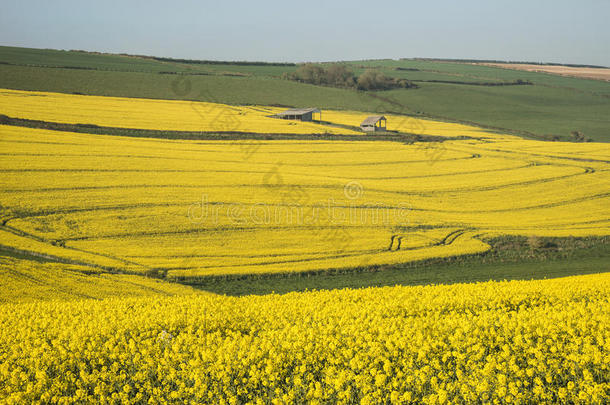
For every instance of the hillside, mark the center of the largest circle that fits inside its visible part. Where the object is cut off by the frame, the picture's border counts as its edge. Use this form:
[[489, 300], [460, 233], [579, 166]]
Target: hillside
[[546, 106], [164, 238]]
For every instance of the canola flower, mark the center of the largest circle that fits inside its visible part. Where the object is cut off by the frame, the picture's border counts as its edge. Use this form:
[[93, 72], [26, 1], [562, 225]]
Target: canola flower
[[493, 342]]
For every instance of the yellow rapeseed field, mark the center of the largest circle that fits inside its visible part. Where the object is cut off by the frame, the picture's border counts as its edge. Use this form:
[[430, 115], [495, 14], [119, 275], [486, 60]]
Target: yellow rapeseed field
[[198, 208], [83, 217], [495, 342]]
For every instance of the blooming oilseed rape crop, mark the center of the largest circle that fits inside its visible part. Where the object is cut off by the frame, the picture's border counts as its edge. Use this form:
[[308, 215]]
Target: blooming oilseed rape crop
[[76, 328], [195, 208], [494, 342]]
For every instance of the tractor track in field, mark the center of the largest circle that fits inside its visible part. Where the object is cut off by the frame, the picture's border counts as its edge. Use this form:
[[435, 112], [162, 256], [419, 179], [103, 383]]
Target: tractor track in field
[[451, 237]]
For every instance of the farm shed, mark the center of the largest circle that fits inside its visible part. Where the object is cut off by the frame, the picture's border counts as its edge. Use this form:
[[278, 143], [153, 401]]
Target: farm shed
[[370, 124], [302, 114]]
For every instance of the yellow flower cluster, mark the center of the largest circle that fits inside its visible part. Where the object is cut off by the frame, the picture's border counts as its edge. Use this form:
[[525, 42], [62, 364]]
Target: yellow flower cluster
[[495, 342], [241, 207]]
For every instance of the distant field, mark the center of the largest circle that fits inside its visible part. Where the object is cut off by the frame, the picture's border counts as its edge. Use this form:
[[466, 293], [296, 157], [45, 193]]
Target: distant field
[[205, 117], [581, 72], [163, 115], [551, 106]]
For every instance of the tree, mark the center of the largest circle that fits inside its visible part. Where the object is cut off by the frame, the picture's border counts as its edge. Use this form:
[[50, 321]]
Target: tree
[[578, 136], [310, 73], [339, 75], [375, 80]]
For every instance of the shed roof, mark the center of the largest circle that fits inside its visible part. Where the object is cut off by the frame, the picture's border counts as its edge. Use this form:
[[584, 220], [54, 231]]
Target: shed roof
[[299, 111], [373, 119]]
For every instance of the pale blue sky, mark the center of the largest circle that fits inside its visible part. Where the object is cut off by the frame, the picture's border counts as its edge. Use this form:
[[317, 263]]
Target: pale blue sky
[[564, 31]]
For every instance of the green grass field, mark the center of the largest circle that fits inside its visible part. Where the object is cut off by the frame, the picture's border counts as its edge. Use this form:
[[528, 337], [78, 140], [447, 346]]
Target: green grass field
[[551, 105]]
